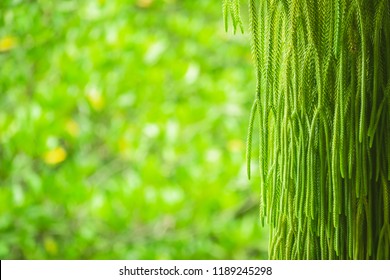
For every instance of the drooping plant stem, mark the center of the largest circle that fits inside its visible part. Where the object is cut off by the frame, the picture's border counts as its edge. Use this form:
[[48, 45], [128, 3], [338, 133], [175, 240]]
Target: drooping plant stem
[[322, 104]]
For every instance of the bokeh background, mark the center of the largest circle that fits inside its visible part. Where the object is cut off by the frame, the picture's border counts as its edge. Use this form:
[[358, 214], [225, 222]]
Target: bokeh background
[[122, 132]]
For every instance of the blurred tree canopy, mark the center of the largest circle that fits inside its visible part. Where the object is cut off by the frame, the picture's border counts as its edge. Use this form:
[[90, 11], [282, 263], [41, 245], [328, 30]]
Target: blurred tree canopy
[[122, 129]]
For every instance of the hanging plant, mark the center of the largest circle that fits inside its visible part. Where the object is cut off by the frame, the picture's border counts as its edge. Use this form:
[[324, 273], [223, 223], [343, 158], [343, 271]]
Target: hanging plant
[[321, 113]]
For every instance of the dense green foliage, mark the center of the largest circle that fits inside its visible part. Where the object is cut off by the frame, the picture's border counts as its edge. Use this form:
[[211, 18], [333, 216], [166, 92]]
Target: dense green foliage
[[322, 104], [121, 132]]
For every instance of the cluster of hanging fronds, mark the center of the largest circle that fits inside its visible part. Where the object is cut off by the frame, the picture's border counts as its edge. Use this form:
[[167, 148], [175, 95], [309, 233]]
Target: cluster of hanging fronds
[[322, 107]]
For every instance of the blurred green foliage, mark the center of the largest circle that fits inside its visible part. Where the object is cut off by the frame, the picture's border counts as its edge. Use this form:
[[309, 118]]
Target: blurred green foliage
[[122, 130]]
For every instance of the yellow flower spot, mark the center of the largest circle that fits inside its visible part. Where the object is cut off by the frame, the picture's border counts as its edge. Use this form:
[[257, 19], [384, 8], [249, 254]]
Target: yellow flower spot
[[95, 99], [123, 145], [7, 43], [124, 150], [72, 128], [55, 156], [144, 3], [50, 246], [235, 145]]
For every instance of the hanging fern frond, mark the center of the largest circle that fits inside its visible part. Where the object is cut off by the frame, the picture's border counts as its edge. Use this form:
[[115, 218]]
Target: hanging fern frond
[[322, 101], [249, 137], [231, 8]]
